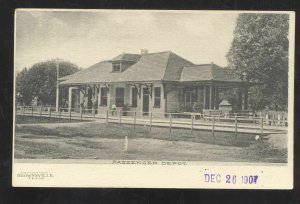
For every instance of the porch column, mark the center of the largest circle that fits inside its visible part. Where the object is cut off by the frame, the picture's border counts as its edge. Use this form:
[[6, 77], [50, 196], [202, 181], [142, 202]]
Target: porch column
[[240, 99], [99, 97], [70, 99], [204, 97], [86, 98], [216, 98], [108, 96], [211, 97]]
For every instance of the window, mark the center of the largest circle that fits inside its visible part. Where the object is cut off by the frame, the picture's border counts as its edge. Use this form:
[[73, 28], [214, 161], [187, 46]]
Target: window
[[119, 97], [190, 98], [103, 96], [134, 93], [157, 99], [116, 67]]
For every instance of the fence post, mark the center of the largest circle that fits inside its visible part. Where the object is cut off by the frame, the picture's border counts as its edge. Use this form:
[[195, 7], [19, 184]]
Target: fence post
[[59, 113], [41, 111], [150, 121], [70, 115], [94, 112], [279, 118], [23, 112], [50, 112], [235, 125], [134, 120], [31, 110], [261, 127], [170, 121], [107, 116], [80, 113], [213, 126], [126, 144], [120, 117], [192, 123]]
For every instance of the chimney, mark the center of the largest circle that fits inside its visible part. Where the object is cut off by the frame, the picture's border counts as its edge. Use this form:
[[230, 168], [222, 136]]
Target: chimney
[[144, 51]]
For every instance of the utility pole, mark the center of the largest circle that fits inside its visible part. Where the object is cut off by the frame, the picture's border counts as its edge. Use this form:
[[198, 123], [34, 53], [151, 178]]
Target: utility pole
[[57, 85]]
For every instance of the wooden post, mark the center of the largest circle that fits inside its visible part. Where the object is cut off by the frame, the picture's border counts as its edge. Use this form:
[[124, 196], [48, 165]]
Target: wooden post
[[32, 110], [120, 116], [150, 121], [213, 126], [93, 113], [41, 112], [70, 115], [107, 116], [23, 110], [134, 120], [235, 125], [80, 113], [50, 112], [59, 113], [261, 127], [192, 123], [126, 144], [170, 122]]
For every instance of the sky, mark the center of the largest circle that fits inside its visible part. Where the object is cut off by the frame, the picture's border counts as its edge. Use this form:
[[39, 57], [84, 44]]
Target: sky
[[88, 37]]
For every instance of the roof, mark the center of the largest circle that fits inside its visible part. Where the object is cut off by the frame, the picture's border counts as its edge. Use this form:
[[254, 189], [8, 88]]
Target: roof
[[127, 57], [205, 72], [150, 67], [166, 66]]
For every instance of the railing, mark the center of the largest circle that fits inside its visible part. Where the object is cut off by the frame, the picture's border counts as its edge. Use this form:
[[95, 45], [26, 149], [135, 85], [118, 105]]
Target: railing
[[193, 121]]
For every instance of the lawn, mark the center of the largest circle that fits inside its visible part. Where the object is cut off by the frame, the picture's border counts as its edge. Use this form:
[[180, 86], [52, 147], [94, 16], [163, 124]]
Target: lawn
[[96, 140], [44, 119]]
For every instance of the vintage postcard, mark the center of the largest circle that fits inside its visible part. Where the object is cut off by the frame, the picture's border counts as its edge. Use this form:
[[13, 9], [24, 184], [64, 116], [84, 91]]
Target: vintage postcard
[[153, 99]]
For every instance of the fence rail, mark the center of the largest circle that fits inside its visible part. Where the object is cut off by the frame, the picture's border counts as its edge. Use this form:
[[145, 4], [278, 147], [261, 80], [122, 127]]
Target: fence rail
[[193, 121]]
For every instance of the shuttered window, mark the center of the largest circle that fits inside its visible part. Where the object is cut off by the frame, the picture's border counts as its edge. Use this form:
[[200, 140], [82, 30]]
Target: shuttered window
[[157, 98]]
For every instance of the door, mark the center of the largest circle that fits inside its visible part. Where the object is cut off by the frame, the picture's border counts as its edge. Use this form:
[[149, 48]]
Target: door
[[145, 101]]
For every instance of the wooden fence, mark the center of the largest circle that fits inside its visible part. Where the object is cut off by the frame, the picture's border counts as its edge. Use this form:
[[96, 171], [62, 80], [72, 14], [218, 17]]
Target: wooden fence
[[193, 121]]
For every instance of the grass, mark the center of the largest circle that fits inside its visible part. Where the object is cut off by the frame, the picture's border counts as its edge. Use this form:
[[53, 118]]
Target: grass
[[115, 131], [44, 119], [106, 141]]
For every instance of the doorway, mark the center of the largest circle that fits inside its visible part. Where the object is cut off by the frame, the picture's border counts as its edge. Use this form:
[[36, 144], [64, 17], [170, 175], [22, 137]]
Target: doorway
[[145, 101]]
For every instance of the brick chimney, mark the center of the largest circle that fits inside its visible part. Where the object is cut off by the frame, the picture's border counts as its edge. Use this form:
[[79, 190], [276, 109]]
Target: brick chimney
[[144, 51]]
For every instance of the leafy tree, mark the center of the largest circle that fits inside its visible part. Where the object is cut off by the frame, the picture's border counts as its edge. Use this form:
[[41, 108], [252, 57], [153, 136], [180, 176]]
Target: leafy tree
[[259, 55], [39, 82], [23, 97]]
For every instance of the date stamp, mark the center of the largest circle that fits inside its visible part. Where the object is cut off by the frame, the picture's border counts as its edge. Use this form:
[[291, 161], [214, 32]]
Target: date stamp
[[231, 178]]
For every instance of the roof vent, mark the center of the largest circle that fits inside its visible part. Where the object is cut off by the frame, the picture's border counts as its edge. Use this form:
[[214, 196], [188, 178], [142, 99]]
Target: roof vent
[[144, 51]]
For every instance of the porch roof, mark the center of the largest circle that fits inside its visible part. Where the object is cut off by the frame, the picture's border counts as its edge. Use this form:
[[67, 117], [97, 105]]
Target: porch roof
[[206, 72]]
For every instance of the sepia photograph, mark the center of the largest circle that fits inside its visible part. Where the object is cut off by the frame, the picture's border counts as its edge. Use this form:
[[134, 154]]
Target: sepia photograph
[[130, 92]]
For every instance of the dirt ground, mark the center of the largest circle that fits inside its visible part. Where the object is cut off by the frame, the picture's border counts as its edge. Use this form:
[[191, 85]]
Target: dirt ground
[[94, 140]]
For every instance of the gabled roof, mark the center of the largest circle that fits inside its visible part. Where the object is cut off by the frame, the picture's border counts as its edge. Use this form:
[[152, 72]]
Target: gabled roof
[[205, 72]]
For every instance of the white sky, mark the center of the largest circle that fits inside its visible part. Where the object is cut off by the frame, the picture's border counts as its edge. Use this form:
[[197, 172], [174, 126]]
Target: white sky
[[88, 37]]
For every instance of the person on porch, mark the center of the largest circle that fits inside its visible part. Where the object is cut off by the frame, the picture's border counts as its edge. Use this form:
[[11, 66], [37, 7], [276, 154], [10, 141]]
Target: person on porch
[[114, 109]]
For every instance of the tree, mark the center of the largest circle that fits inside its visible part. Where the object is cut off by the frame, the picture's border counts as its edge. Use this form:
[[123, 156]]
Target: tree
[[259, 55], [39, 82], [22, 95]]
